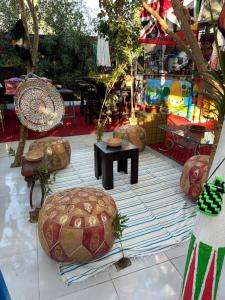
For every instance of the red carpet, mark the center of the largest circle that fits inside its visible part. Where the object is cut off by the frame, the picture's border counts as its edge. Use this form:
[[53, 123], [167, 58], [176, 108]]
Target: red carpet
[[70, 127], [78, 126], [179, 154]]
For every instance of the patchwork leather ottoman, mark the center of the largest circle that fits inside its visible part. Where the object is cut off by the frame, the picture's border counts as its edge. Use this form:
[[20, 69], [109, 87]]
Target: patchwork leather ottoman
[[56, 149], [194, 175], [133, 133], [75, 225]]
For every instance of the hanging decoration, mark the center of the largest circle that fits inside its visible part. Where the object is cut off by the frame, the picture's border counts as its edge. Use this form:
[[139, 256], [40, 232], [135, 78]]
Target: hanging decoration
[[203, 278], [17, 35], [38, 105], [202, 272], [210, 200], [152, 32]]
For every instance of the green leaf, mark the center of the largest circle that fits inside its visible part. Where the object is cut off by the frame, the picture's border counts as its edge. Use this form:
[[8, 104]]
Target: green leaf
[[118, 225]]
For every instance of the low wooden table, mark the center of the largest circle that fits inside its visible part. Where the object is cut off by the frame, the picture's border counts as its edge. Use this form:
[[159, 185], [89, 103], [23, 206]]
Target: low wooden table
[[104, 157]]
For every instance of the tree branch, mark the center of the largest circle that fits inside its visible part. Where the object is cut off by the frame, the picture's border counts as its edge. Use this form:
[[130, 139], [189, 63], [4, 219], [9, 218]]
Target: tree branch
[[24, 19], [197, 55], [164, 25], [36, 30]]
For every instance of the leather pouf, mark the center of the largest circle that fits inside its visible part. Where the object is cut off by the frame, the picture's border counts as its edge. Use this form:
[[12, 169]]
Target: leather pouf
[[133, 133], [75, 225], [194, 175], [56, 149]]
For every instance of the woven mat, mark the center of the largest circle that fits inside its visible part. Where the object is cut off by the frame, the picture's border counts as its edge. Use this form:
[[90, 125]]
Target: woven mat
[[160, 215]]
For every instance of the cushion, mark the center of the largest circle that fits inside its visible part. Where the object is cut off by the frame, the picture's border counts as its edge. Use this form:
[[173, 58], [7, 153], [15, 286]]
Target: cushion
[[194, 175], [133, 133], [75, 225]]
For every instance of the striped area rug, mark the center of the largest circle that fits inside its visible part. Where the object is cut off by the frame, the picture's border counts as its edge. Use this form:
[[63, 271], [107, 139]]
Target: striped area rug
[[160, 215]]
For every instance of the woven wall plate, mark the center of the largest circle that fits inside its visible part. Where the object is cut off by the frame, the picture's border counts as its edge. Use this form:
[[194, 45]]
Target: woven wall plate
[[38, 105]]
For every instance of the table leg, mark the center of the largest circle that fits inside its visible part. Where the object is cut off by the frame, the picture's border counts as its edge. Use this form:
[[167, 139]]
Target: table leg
[[197, 149], [134, 168], [107, 173], [122, 166], [98, 168], [82, 106], [31, 193]]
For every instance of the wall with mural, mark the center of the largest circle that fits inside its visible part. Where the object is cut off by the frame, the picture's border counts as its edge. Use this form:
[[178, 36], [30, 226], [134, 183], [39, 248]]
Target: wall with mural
[[174, 94]]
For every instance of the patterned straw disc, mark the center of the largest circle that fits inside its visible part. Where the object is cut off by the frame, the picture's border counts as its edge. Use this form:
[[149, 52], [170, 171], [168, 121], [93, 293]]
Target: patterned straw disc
[[38, 105]]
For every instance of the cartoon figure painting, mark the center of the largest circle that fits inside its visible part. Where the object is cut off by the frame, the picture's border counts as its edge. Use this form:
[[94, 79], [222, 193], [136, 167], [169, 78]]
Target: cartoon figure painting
[[175, 94], [175, 98]]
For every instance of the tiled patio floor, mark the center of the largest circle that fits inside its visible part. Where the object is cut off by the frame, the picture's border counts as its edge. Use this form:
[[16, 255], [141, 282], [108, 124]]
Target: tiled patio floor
[[30, 274]]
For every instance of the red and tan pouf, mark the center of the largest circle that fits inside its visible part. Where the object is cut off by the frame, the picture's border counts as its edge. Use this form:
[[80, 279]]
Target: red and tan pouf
[[75, 225], [56, 149], [133, 133], [194, 175]]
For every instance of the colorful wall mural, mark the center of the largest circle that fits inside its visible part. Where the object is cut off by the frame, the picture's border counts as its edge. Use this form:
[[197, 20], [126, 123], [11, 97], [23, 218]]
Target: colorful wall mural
[[174, 94]]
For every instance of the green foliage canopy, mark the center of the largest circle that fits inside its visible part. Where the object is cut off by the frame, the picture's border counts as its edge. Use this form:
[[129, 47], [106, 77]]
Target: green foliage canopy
[[119, 21], [66, 51]]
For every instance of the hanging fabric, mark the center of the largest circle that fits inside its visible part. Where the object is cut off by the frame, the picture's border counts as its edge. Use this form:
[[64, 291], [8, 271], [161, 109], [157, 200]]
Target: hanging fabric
[[103, 56], [152, 32]]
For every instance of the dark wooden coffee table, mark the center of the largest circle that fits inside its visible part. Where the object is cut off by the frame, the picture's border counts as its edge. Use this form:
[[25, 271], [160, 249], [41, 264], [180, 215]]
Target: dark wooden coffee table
[[104, 157]]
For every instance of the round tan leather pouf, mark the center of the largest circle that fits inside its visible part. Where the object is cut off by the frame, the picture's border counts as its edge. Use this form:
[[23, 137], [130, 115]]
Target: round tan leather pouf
[[133, 133], [56, 149], [75, 225], [194, 175]]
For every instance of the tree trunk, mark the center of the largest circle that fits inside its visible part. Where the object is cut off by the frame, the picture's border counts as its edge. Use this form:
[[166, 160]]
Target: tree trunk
[[36, 31], [21, 146], [30, 68]]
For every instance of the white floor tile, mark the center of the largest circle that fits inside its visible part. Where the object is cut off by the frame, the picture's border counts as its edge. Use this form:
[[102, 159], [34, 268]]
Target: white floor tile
[[179, 263], [21, 275], [16, 207], [17, 236], [104, 291], [159, 282], [138, 264], [51, 284], [177, 251], [30, 274]]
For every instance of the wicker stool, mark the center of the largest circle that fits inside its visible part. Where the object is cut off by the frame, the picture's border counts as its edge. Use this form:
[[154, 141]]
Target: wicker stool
[[75, 225]]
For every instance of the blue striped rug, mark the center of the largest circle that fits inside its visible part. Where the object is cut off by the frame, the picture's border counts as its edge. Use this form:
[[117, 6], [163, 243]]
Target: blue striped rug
[[160, 215]]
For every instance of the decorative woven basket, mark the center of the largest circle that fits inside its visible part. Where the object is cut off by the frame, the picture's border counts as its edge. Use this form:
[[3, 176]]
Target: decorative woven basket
[[38, 105]]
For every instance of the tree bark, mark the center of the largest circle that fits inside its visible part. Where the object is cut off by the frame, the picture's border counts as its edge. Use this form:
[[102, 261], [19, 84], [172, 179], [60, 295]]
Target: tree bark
[[181, 14], [164, 25], [30, 68], [36, 31]]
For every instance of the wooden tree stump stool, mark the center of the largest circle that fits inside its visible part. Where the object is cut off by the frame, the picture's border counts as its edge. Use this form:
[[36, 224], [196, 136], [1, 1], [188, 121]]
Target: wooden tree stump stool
[[31, 162], [56, 149]]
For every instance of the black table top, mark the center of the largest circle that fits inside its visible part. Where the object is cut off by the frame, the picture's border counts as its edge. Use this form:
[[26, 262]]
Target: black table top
[[125, 147]]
